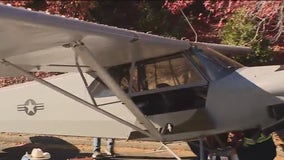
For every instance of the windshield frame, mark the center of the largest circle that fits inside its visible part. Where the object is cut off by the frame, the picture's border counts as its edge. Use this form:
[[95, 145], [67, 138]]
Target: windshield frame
[[211, 63]]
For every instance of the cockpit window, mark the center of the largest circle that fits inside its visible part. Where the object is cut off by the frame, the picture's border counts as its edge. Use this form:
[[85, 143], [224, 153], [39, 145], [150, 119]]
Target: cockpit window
[[213, 64], [170, 71], [166, 72]]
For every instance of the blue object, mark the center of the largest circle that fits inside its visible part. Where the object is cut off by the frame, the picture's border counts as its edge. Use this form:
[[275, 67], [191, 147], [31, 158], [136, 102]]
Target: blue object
[[25, 157], [97, 144]]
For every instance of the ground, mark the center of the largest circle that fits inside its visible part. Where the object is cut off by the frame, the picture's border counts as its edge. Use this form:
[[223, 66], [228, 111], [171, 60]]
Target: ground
[[14, 145]]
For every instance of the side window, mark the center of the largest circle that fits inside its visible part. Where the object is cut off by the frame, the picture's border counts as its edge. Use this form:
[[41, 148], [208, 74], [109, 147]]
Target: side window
[[121, 75], [165, 72], [157, 73]]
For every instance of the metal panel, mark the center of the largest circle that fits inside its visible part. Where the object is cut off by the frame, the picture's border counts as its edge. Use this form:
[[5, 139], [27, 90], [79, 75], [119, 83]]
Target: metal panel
[[60, 114]]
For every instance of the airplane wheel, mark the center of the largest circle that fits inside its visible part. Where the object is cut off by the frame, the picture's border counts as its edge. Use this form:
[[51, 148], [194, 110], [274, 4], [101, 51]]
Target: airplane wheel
[[209, 143], [194, 146]]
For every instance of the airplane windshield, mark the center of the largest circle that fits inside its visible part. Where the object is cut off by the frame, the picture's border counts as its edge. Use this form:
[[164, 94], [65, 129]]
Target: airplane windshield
[[213, 64]]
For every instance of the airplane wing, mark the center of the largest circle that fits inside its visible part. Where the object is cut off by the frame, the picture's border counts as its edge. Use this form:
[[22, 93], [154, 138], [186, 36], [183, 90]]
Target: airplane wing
[[35, 40]]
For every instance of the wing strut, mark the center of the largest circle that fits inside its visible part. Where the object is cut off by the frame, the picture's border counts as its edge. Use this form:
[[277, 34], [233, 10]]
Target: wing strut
[[78, 99], [89, 59]]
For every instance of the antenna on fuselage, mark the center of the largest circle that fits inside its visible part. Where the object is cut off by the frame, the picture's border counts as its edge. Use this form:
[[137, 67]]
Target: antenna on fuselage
[[195, 33]]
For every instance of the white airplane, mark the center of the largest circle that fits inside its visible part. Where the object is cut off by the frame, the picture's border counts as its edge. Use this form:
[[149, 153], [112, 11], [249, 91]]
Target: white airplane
[[125, 84]]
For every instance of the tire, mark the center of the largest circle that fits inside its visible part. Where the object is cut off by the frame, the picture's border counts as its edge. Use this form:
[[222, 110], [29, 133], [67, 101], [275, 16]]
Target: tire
[[194, 146]]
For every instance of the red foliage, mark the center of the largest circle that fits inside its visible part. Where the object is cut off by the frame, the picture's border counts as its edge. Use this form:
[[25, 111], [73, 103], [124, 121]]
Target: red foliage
[[175, 6], [17, 3], [222, 10], [7, 81], [68, 8]]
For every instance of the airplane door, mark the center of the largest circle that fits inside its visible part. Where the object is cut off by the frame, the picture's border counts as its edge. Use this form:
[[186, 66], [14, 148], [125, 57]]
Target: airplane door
[[170, 91]]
